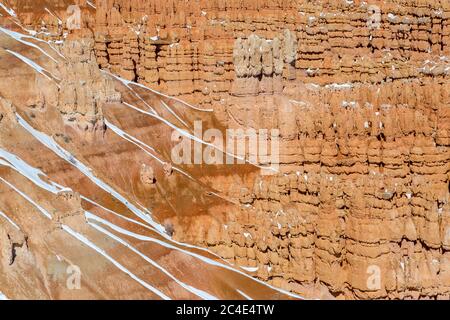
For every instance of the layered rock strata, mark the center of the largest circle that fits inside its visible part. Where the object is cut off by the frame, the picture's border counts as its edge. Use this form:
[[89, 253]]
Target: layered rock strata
[[360, 94], [83, 88]]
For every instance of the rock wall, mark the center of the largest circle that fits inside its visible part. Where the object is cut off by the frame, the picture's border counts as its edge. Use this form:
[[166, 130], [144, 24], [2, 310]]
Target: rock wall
[[360, 93], [188, 49], [364, 186], [259, 63], [83, 88]]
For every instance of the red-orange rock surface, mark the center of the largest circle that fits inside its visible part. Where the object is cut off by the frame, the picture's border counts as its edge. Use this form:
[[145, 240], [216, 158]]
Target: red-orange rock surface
[[363, 112]]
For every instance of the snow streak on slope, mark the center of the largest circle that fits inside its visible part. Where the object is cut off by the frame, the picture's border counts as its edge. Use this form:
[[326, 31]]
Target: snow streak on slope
[[91, 4], [91, 245], [244, 295], [10, 11], [85, 241], [41, 210], [40, 179], [32, 64], [19, 37], [2, 296], [12, 161], [173, 113], [141, 145], [174, 127], [153, 114], [116, 214], [34, 175], [133, 140], [197, 256], [57, 149], [127, 83], [9, 220], [250, 269], [196, 139], [195, 291], [54, 16]]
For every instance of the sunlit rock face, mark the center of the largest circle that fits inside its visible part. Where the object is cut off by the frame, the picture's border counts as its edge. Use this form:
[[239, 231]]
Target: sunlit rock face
[[84, 90], [358, 91]]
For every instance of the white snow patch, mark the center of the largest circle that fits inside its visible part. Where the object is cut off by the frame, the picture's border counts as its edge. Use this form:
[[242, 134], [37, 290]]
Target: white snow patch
[[349, 104], [192, 254], [19, 37], [117, 264], [33, 174], [42, 210], [65, 189], [9, 220], [250, 269], [54, 15], [10, 11], [392, 17], [141, 145], [194, 138], [30, 63], [91, 4], [173, 113], [127, 83], [244, 295], [62, 153], [195, 291], [339, 86]]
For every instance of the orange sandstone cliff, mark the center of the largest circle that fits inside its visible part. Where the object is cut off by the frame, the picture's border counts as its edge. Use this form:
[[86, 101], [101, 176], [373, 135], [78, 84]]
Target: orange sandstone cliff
[[360, 92]]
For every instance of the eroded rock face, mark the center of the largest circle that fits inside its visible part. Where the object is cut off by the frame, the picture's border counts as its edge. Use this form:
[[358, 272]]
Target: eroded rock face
[[360, 208], [147, 175], [188, 50], [364, 190], [83, 88], [14, 245], [6, 112], [259, 63]]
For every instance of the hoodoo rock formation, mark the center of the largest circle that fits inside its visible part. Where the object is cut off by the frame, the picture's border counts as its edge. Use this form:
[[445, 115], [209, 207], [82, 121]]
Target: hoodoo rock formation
[[360, 94], [83, 89], [259, 63]]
